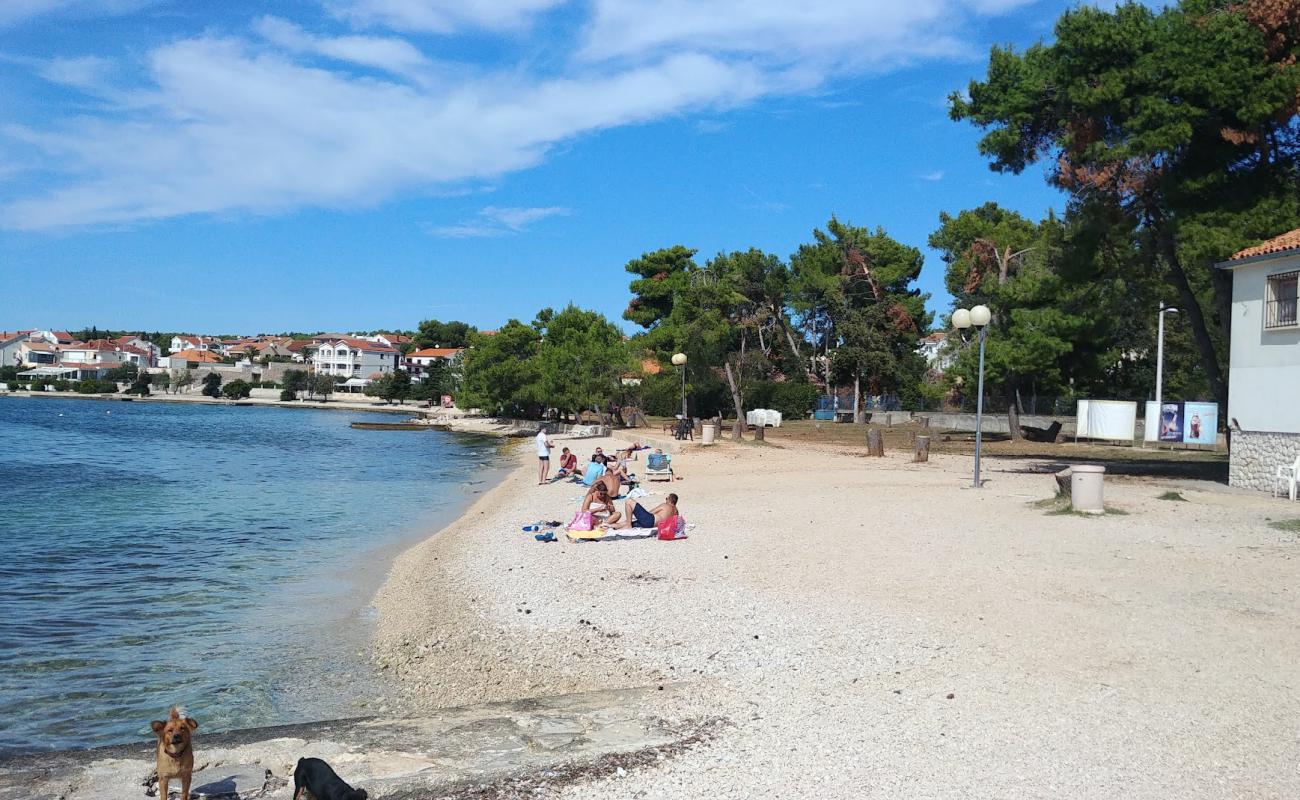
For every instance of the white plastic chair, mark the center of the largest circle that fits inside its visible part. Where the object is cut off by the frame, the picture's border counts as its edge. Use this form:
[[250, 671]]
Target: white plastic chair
[[1289, 476]]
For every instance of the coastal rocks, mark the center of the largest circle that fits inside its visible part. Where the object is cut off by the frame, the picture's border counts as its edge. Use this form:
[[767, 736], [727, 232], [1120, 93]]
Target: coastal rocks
[[391, 757]]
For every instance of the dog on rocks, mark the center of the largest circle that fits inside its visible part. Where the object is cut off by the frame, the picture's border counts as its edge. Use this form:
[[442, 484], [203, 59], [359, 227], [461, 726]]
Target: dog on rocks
[[175, 751], [319, 780]]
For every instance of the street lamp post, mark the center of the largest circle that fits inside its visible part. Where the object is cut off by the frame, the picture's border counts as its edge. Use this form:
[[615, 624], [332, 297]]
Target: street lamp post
[[1160, 355], [679, 360], [962, 319]]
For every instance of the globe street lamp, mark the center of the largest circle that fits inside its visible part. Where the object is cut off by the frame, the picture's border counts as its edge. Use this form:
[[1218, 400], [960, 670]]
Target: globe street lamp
[[679, 360], [962, 319]]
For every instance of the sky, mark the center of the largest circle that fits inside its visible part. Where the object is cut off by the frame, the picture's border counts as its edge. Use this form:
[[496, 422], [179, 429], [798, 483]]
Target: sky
[[306, 165]]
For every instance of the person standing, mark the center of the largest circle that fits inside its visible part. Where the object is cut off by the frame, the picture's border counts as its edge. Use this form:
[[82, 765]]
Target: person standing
[[544, 446]]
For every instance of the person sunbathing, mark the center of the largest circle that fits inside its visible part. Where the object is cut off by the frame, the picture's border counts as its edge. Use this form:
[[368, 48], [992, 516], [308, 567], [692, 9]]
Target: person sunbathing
[[638, 516], [598, 502]]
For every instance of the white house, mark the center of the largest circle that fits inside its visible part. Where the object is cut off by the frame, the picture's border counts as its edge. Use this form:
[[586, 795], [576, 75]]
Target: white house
[[1264, 361], [938, 357], [95, 352], [355, 359], [11, 343], [418, 361], [180, 344]]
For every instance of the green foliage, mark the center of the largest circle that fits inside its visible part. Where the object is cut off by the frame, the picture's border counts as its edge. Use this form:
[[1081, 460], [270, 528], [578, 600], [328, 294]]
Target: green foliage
[[8, 373], [140, 385], [1285, 525], [1177, 125], [288, 395], [96, 386], [501, 371], [126, 373], [1175, 496], [161, 380], [322, 385], [433, 333], [794, 399], [14, 386], [580, 360], [390, 386], [212, 384], [235, 390], [661, 277], [61, 385], [294, 381]]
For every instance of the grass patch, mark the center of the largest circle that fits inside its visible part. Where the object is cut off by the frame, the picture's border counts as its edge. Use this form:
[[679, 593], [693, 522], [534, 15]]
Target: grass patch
[[1059, 506], [1172, 496], [1286, 525]]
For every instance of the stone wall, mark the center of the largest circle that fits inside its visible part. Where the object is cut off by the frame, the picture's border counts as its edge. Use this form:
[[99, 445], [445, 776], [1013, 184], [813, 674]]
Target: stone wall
[[1256, 456]]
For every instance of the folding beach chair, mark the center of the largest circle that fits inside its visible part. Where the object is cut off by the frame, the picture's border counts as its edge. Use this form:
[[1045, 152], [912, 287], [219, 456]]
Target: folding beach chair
[[658, 467]]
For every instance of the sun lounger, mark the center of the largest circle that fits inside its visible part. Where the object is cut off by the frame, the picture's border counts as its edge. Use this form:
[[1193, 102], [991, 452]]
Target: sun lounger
[[658, 467]]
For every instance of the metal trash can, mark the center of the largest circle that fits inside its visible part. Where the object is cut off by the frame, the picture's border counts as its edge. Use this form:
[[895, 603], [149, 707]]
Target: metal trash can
[[1086, 482]]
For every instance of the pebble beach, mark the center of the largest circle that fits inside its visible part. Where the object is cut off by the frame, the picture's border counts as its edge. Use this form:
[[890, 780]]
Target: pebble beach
[[867, 627]]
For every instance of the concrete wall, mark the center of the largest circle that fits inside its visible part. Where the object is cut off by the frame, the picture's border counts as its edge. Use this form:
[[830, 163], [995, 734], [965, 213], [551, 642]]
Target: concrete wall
[[1264, 377], [1256, 457], [992, 423]]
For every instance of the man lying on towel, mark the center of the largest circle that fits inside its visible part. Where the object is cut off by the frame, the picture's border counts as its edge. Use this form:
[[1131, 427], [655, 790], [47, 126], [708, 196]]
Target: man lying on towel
[[639, 517]]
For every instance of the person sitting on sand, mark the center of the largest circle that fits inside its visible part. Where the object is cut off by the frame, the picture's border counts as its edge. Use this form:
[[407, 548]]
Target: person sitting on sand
[[598, 502], [595, 469], [610, 481], [568, 463], [638, 516]]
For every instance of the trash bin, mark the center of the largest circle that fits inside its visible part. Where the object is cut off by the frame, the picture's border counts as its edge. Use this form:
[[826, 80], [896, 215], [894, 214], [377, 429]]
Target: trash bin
[[709, 432], [1086, 488]]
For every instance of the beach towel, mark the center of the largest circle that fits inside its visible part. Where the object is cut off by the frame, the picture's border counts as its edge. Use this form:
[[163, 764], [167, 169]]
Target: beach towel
[[596, 533], [656, 461]]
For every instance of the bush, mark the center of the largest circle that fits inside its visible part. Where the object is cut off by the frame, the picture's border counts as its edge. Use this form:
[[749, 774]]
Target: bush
[[288, 394], [9, 374], [212, 385], [236, 389], [14, 386], [62, 385], [794, 399], [93, 386]]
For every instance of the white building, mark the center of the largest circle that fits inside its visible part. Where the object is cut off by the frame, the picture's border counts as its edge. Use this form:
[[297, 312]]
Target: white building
[[418, 361], [1264, 362], [11, 343], [355, 359], [180, 344], [934, 348]]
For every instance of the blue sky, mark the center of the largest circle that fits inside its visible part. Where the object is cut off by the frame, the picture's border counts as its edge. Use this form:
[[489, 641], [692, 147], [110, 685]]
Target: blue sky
[[362, 164]]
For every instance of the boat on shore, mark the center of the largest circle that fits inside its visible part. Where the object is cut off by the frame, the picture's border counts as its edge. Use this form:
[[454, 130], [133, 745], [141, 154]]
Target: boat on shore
[[391, 426]]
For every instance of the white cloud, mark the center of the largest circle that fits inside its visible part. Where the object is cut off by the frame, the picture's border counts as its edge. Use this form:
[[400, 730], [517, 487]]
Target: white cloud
[[836, 33], [286, 119], [13, 12], [933, 175], [86, 72], [495, 221], [397, 56], [440, 16]]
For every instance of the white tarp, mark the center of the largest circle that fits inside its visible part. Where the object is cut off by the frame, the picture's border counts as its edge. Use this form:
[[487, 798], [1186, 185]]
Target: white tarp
[[766, 417], [1106, 419], [1151, 423]]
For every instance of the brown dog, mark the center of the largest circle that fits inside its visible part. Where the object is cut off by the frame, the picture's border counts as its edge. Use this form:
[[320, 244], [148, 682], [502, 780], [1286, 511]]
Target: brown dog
[[175, 751]]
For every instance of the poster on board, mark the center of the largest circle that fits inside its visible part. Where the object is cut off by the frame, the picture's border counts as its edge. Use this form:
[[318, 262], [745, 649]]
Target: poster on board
[[1171, 422], [1200, 423]]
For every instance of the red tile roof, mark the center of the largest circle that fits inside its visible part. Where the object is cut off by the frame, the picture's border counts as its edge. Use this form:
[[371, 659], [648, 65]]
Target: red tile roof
[[651, 367], [63, 336], [1278, 244], [201, 356], [436, 352], [7, 335], [362, 344]]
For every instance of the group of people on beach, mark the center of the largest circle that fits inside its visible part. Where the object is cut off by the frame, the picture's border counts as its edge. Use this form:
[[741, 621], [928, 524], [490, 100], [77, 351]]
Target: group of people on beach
[[605, 476]]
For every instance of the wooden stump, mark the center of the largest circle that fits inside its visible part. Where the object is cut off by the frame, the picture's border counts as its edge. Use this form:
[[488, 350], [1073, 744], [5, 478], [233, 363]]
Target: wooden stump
[[875, 442], [921, 452], [758, 433]]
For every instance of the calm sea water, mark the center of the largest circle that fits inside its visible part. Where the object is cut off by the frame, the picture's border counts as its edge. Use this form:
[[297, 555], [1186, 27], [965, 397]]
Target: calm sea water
[[217, 557]]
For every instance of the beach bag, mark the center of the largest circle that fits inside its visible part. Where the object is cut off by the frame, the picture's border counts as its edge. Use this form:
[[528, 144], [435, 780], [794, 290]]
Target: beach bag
[[581, 521], [670, 529]]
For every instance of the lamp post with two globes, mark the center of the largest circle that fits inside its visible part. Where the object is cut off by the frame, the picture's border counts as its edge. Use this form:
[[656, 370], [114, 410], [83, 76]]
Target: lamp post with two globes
[[962, 319]]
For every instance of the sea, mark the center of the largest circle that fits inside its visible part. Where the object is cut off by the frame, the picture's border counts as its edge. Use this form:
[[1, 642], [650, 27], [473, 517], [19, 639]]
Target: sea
[[221, 558]]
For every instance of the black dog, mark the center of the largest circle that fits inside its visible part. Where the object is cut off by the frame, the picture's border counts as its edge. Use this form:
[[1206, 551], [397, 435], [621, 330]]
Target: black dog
[[316, 777]]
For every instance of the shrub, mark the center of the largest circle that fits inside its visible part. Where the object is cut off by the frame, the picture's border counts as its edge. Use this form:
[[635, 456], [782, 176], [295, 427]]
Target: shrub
[[212, 385], [288, 394], [235, 390], [14, 386], [93, 386], [9, 373], [62, 385], [794, 399]]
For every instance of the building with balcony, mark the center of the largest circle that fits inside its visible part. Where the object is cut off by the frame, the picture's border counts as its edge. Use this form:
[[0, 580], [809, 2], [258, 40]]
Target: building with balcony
[[356, 359]]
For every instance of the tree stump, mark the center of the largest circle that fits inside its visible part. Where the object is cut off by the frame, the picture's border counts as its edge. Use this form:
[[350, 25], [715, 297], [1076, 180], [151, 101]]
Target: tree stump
[[921, 451], [758, 433], [875, 442]]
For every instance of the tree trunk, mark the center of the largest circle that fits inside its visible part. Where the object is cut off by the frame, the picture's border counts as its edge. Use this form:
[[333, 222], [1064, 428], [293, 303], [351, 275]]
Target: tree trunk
[[857, 399], [794, 350], [739, 427], [875, 442], [1013, 411], [921, 450], [1196, 317], [759, 432]]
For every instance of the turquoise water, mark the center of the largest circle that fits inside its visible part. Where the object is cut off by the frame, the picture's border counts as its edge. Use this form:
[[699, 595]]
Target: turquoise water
[[217, 557]]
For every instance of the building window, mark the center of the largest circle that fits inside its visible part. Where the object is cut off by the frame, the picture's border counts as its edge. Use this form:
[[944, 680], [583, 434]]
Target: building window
[[1280, 300]]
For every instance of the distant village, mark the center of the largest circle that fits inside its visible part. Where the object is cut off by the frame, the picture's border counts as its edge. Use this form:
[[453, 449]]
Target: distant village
[[44, 358]]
